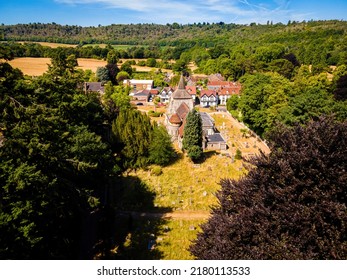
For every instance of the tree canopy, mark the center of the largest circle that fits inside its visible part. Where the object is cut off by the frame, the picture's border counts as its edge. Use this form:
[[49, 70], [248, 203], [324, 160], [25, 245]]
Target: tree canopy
[[54, 161], [292, 203]]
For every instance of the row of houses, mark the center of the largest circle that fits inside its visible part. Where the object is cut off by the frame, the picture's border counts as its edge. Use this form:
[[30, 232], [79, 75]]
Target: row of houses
[[217, 93]]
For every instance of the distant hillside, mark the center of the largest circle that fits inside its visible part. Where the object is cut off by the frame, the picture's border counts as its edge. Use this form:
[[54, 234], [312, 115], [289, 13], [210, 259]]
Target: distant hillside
[[202, 34]]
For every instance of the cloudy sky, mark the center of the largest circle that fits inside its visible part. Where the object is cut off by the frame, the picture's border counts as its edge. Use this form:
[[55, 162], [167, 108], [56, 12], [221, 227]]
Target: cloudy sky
[[105, 12]]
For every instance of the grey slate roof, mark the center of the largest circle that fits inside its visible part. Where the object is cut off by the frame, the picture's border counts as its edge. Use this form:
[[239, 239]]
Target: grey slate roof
[[181, 92], [217, 137]]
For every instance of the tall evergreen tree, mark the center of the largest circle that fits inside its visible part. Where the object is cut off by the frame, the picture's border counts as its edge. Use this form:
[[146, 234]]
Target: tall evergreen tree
[[161, 151], [291, 205], [133, 130], [53, 165], [192, 136]]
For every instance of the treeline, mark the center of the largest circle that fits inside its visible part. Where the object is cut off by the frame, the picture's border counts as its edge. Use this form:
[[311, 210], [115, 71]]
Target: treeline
[[28, 49]]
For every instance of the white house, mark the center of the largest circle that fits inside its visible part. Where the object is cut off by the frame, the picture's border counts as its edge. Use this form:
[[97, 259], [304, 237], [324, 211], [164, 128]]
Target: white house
[[208, 98]]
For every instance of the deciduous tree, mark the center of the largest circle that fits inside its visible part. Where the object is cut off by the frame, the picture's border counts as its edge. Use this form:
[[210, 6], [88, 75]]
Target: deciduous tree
[[292, 203]]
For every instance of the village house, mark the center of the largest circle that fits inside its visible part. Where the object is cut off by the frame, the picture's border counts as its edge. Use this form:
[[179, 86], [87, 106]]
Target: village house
[[165, 94], [192, 91], [137, 85], [225, 89], [94, 87], [153, 93], [142, 95], [215, 77], [208, 98]]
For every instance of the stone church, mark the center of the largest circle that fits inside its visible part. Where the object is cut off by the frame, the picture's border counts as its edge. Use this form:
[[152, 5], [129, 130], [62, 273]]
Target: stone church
[[180, 104]]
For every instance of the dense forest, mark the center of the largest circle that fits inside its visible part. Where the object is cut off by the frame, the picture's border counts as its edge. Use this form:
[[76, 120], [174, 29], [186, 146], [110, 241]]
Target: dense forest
[[311, 42]]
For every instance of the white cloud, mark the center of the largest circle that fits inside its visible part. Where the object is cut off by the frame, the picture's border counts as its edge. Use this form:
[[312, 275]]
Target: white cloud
[[135, 5], [161, 11]]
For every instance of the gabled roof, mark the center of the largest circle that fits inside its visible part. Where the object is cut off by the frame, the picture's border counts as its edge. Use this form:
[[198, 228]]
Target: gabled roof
[[181, 92], [215, 138], [175, 119], [216, 77], [94, 87], [208, 92], [144, 92], [166, 90], [182, 111]]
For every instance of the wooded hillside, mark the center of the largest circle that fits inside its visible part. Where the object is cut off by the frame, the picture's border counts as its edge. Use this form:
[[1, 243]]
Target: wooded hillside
[[202, 34]]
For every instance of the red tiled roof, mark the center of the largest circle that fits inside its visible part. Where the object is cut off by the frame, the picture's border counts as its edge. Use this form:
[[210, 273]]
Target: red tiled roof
[[191, 90], [218, 83], [224, 84], [182, 110], [154, 91], [229, 91], [175, 119]]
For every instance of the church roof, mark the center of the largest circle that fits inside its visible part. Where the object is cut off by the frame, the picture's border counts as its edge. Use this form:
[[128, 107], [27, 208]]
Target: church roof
[[182, 111], [175, 119], [181, 92]]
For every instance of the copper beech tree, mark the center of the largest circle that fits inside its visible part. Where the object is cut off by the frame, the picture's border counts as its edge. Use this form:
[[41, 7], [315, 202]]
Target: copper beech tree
[[291, 204]]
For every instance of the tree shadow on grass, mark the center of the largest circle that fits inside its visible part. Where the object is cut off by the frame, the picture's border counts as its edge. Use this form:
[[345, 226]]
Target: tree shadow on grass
[[206, 155], [131, 222]]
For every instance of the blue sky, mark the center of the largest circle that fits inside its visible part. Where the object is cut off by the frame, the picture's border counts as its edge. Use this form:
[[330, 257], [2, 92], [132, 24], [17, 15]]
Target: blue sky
[[105, 12]]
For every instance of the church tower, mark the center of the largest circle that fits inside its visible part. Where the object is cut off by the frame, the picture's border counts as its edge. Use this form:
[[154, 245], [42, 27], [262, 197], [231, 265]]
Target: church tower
[[179, 96], [180, 104]]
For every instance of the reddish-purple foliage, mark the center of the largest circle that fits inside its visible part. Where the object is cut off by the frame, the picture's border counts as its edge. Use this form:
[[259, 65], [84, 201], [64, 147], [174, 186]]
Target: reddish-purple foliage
[[291, 204]]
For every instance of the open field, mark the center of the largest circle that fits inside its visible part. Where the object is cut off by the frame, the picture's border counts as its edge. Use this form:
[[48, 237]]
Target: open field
[[52, 45], [56, 45], [36, 66]]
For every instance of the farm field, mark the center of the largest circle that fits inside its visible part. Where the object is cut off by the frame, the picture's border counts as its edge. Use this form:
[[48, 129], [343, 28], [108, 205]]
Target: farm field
[[62, 45], [51, 45], [36, 66]]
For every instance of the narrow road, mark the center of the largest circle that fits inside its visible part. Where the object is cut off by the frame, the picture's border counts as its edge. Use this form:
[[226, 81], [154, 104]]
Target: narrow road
[[177, 215]]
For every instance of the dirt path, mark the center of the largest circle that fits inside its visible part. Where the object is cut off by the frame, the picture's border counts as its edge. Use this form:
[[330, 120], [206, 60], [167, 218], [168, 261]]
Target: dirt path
[[177, 215]]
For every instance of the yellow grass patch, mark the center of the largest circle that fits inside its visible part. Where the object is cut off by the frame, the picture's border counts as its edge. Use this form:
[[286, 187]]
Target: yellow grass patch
[[31, 66], [184, 186], [36, 66], [52, 45]]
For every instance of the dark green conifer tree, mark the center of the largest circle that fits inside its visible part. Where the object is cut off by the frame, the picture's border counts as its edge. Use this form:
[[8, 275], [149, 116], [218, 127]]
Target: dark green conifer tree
[[192, 137]]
